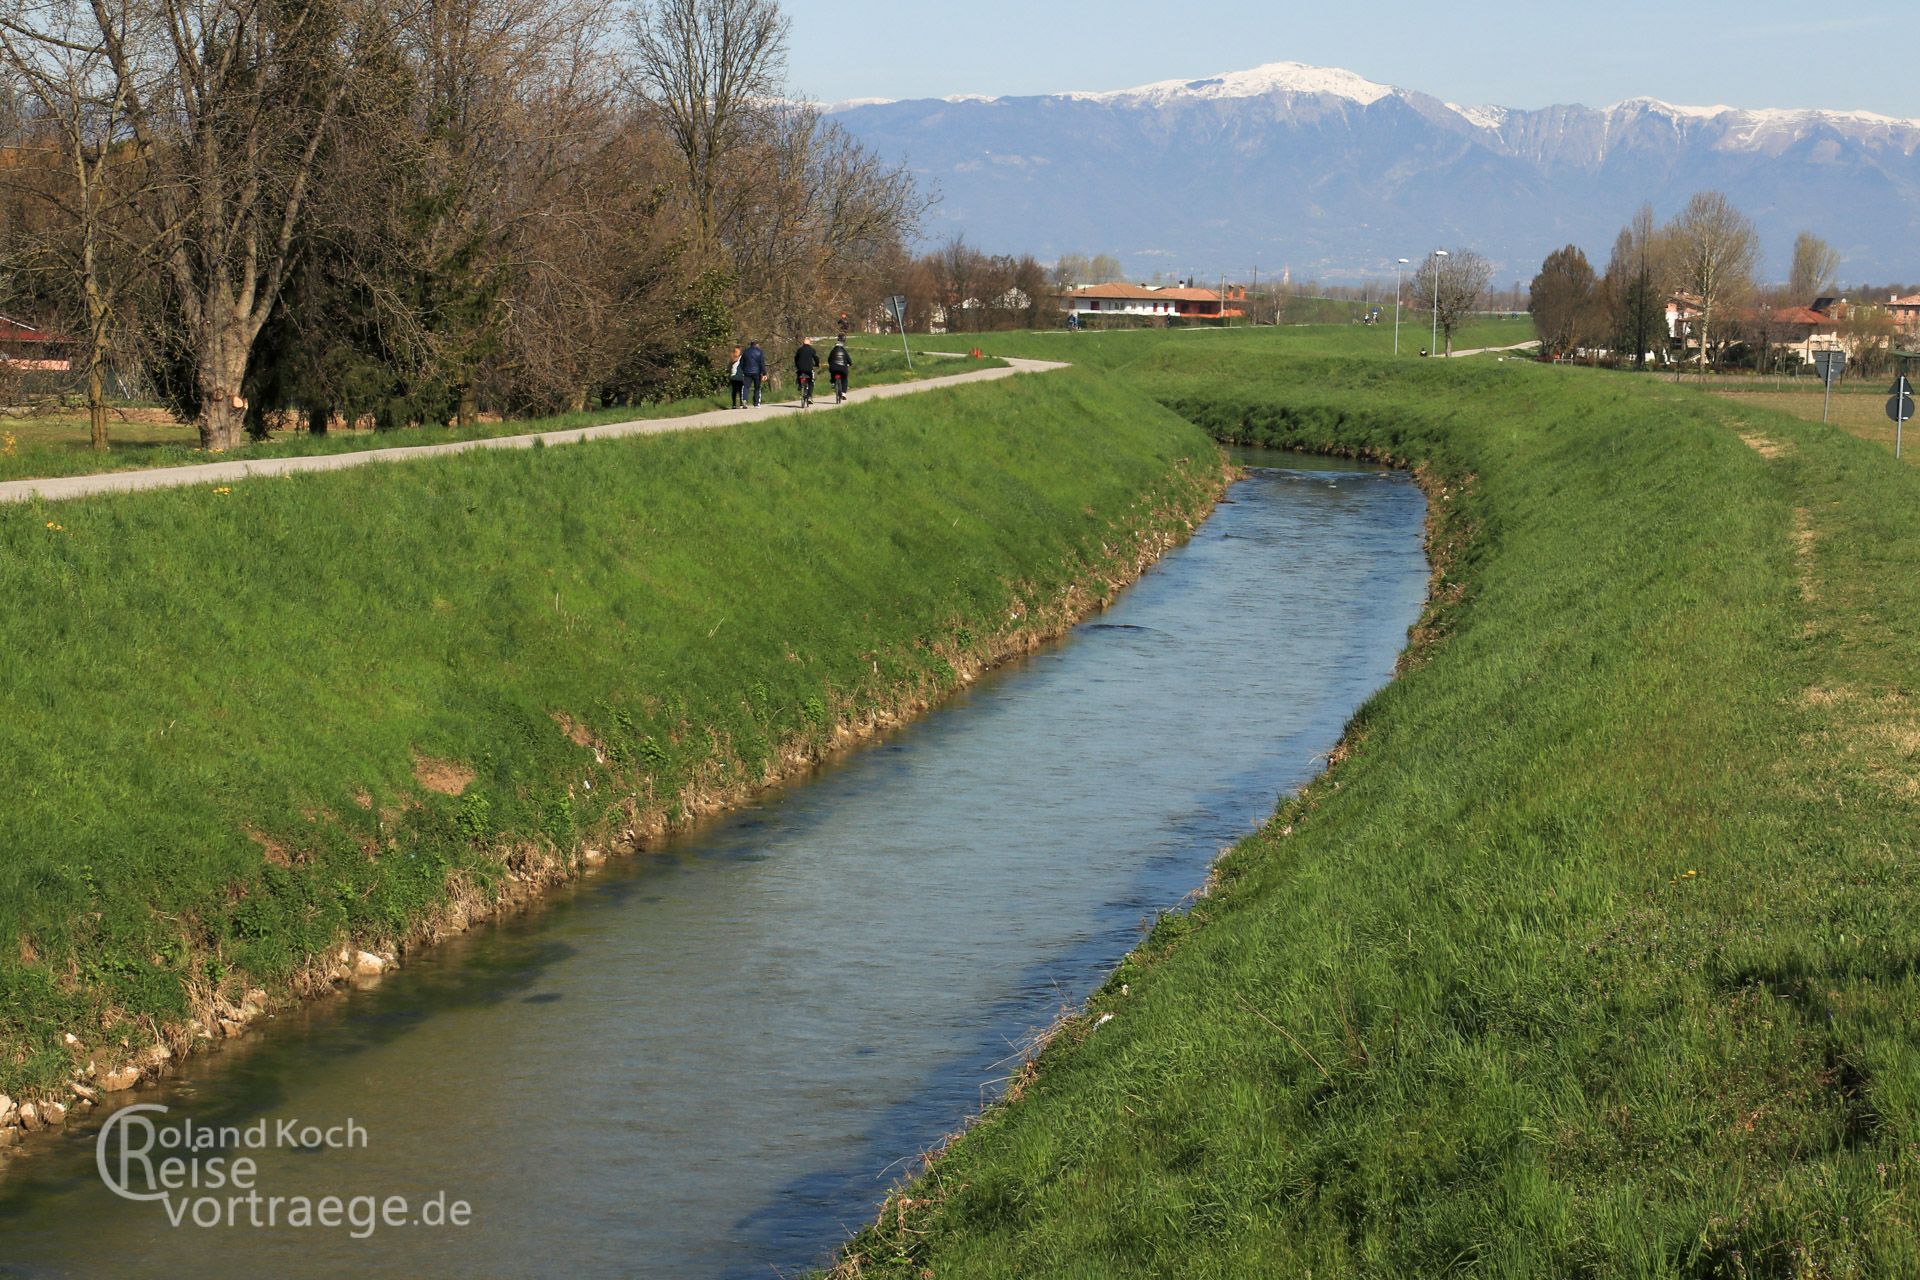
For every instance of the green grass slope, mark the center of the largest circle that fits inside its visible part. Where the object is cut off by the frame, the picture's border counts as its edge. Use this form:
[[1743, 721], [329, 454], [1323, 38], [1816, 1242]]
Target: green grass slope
[[240, 727], [1594, 954]]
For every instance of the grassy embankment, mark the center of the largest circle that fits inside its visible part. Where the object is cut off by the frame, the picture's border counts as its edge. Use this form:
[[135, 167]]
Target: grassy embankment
[[56, 443], [241, 728], [1597, 953], [1858, 406]]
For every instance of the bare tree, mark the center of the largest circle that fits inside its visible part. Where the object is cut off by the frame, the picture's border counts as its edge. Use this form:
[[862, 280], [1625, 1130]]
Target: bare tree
[[1869, 335], [1450, 288], [511, 107], [1715, 248], [1815, 265], [710, 68], [56, 56], [228, 102], [812, 222]]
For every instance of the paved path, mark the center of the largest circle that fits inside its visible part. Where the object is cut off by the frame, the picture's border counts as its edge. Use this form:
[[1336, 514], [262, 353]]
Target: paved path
[[1480, 351], [53, 490]]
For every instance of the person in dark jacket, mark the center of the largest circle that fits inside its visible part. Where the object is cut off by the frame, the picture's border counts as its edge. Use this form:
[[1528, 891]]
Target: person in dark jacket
[[753, 368], [839, 365], [805, 361]]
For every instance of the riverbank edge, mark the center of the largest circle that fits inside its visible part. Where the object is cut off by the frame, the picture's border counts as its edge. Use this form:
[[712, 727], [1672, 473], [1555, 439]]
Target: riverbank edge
[[1447, 534], [1161, 518]]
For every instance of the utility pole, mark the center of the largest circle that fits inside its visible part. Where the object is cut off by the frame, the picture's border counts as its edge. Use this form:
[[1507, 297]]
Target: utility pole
[[1399, 264]]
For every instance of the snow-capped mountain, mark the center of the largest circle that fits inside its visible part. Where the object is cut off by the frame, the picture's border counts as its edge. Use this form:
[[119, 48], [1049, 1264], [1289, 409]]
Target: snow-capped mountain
[[1332, 174]]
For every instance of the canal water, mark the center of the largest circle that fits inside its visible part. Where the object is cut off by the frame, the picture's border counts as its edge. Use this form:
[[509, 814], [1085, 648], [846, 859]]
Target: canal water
[[712, 1061]]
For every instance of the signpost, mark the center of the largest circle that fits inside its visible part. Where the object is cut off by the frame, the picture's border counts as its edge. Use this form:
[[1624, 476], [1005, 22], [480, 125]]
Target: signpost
[[1831, 365], [1900, 408], [897, 308]]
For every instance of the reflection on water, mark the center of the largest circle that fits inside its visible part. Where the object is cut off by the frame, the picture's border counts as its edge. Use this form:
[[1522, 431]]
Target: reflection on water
[[712, 1061]]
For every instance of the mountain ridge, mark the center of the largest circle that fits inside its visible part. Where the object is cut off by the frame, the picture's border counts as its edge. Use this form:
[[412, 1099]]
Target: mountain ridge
[[1331, 173]]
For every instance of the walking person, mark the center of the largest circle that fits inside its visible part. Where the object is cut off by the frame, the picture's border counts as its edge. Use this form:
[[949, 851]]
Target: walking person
[[734, 379], [805, 361], [839, 365], [753, 369]]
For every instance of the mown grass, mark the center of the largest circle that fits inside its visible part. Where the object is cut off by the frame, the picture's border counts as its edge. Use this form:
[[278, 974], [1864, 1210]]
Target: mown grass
[[1595, 954], [57, 444], [213, 702], [1858, 408]]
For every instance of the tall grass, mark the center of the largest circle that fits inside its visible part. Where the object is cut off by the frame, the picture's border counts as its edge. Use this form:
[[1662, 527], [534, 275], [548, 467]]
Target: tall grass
[[1595, 954], [223, 710]]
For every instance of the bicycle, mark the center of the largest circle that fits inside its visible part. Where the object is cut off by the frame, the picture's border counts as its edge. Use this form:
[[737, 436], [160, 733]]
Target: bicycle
[[839, 384], [806, 389]]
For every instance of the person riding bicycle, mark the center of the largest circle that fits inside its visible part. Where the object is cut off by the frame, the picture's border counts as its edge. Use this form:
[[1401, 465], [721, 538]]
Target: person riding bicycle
[[805, 361], [839, 365]]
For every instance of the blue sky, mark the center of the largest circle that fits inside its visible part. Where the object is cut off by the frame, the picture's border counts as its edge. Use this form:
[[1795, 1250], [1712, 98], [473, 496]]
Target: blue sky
[[1862, 54]]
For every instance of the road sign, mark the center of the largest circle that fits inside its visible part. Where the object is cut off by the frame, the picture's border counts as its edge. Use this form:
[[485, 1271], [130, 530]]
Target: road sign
[[1900, 409], [1831, 365], [897, 308]]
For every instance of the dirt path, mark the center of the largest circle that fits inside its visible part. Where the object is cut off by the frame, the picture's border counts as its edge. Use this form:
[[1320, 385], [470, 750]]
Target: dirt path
[[62, 487]]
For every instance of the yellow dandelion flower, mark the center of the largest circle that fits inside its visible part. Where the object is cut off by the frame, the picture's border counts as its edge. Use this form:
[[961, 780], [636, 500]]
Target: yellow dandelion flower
[[225, 488], [57, 528]]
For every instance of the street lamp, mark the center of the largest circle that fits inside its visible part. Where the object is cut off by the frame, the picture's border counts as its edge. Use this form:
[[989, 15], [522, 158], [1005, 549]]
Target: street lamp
[[1434, 342], [1398, 263]]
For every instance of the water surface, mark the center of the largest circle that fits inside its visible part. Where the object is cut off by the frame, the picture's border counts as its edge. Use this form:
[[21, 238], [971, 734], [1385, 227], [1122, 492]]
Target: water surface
[[712, 1061]]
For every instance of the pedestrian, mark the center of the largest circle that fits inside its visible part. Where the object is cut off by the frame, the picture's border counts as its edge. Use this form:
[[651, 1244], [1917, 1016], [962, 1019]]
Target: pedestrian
[[805, 361], [753, 368], [733, 377], [839, 365]]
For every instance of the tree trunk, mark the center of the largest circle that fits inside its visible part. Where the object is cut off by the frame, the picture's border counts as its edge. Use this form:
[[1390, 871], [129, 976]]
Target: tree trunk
[[96, 402], [317, 420], [223, 366], [468, 408]]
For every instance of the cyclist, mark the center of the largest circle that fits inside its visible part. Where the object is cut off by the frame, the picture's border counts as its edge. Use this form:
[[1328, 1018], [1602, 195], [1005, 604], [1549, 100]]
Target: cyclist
[[839, 364], [805, 361]]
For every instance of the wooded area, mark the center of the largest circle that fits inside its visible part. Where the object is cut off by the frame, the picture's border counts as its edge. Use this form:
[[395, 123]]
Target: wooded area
[[1703, 264], [396, 211]]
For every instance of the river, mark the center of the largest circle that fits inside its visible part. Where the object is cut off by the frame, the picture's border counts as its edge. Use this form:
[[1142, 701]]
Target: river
[[711, 1061]]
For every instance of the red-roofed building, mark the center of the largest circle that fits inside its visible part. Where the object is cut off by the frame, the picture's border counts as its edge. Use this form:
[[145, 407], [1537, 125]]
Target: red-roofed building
[[1906, 314], [1147, 300], [25, 346], [1801, 330]]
